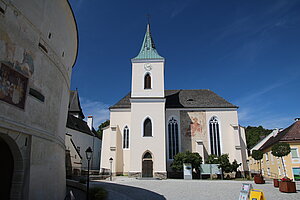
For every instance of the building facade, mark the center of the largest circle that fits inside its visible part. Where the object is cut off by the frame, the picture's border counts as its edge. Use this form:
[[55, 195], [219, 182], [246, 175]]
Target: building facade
[[80, 135], [38, 47], [150, 125], [271, 166]]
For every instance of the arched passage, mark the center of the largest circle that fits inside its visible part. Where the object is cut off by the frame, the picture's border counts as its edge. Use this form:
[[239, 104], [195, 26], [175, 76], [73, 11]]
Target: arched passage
[[13, 168], [147, 165], [6, 169]]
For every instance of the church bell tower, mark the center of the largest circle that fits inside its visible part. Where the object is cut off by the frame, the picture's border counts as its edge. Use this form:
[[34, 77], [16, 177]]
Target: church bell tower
[[148, 158]]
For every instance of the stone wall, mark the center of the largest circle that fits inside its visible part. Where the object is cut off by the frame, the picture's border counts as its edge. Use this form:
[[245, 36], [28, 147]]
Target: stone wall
[[38, 47]]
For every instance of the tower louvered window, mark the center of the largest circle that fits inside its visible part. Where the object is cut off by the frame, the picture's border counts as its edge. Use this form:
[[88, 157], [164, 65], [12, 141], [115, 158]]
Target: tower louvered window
[[147, 81], [214, 136], [173, 138]]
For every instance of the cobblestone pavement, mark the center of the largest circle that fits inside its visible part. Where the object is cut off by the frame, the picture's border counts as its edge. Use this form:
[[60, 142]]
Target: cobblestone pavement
[[126, 188]]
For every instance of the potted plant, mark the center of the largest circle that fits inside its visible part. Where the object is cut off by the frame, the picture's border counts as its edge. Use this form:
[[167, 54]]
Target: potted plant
[[280, 150], [287, 185], [258, 155]]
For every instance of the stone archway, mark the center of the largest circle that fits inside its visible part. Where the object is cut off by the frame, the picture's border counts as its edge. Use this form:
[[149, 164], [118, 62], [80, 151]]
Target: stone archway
[[147, 165], [12, 168], [6, 169]]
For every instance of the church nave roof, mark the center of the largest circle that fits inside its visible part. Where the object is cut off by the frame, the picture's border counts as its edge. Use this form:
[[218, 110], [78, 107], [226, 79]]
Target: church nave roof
[[199, 98]]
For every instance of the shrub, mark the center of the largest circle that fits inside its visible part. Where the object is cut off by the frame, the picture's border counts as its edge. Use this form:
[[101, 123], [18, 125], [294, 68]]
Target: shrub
[[186, 157], [98, 193]]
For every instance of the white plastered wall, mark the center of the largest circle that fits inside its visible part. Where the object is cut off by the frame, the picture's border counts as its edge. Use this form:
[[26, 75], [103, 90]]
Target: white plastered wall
[[155, 144], [229, 133], [113, 137], [157, 80]]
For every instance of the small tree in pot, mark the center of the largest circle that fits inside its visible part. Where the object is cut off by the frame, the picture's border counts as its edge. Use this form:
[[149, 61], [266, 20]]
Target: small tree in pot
[[258, 155], [280, 150]]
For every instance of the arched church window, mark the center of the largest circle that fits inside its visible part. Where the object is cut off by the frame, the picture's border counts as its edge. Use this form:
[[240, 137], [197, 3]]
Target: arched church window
[[173, 137], [126, 138], [147, 81], [214, 136], [147, 155], [147, 128]]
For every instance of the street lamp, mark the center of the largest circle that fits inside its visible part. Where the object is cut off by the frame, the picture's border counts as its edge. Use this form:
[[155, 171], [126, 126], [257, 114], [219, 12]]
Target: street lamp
[[110, 161], [89, 153]]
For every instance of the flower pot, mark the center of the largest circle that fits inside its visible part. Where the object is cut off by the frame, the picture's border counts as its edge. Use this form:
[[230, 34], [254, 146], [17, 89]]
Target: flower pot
[[276, 182], [259, 180], [288, 187]]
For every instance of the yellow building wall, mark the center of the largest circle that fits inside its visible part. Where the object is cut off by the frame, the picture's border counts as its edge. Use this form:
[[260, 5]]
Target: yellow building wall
[[272, 166]]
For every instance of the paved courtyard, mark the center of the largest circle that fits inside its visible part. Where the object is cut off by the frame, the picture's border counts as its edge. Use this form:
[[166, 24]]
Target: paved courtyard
[[127, 189]]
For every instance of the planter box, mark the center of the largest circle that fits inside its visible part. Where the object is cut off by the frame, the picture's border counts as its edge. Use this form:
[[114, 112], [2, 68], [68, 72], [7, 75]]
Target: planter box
[[259, 180], [276, 182], [288, 187]]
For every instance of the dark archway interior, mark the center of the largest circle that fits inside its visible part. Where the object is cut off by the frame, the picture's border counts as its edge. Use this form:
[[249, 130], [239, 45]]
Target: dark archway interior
[[6, 169]]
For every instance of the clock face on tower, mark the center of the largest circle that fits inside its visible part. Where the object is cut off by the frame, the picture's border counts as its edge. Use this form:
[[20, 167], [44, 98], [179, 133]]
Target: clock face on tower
[[147, 66]]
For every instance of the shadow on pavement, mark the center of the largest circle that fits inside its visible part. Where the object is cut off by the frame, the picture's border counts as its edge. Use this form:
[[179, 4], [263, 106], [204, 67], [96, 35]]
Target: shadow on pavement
[[124, 192]]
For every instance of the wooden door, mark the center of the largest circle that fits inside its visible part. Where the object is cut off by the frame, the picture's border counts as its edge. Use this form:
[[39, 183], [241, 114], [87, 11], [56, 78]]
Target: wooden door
[[147, 168]]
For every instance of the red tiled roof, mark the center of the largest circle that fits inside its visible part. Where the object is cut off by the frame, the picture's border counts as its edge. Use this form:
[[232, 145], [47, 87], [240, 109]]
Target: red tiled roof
[[291, 133]]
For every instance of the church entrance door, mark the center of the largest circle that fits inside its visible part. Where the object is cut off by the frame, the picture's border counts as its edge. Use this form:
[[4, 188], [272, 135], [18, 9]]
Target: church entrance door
[[6, 169], [147, 165]]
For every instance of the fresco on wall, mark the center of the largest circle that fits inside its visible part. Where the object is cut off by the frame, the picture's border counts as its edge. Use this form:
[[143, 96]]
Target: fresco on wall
[[16, 67], [195, 127], [13, 86]]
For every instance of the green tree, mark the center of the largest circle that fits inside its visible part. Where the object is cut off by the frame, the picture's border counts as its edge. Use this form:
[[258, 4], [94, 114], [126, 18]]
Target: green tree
[[101, 126], [280, 150], [186, 157], [212, 159], [258, 155], [224, 163], [254, 135]]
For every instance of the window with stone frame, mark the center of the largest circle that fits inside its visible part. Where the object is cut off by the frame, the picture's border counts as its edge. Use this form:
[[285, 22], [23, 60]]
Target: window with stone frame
[[294, 153], [173, 137], [126, 138], [214, 133], [147, 128]]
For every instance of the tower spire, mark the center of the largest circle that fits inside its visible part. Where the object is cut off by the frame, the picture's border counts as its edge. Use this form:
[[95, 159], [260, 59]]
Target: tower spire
[[148, 50]]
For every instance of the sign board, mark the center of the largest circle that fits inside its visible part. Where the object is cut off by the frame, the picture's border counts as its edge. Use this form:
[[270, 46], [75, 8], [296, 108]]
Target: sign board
[[257, 195], [207, 169], [245, 191], [187, 171]]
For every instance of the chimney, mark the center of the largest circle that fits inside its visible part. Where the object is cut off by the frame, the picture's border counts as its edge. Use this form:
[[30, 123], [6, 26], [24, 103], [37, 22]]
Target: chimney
[[297, 119], [90, 122]]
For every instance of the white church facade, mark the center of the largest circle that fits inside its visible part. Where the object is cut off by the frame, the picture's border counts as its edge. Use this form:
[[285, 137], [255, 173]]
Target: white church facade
[[150, 125]]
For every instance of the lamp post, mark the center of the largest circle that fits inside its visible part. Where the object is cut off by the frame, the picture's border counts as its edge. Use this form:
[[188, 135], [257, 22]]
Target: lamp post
[[88, 153], [110, 161]]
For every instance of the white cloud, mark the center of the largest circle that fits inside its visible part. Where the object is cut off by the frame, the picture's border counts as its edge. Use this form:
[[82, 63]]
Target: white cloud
[[97, 109]]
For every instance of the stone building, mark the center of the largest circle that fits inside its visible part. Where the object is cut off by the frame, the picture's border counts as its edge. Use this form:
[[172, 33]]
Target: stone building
[[150, 125], [38, 47]]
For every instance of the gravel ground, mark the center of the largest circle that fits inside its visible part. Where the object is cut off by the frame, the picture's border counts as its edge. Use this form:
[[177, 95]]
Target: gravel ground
[[126, 188]]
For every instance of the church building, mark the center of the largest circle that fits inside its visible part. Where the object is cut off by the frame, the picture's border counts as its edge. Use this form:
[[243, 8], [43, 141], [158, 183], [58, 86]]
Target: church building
[[150, 125]]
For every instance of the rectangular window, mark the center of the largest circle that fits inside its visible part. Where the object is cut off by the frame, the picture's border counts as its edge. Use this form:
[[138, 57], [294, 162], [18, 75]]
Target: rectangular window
[[296, 172], [279, 171], [269, 172], [294, 152], [267, 157]]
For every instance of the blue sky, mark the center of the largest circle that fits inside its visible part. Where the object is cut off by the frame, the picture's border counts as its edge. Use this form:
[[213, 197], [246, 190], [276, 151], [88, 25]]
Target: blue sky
[[248, 52]]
